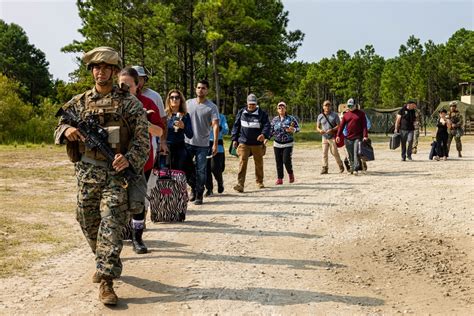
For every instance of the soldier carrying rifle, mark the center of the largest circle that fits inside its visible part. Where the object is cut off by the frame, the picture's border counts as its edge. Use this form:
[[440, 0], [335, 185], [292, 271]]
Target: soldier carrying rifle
[[102, 198]]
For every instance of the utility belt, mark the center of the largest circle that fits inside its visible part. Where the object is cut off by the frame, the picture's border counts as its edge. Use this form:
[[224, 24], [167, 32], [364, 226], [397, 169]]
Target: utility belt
[[94, 162]]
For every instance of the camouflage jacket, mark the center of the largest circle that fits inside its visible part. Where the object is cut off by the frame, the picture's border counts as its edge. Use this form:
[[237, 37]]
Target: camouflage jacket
[[456, 119], [418, 119], [132, 111]]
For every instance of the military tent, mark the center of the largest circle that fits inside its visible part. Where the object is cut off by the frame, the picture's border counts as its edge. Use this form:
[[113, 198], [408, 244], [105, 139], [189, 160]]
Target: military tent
[[467, 111], [382, 120]]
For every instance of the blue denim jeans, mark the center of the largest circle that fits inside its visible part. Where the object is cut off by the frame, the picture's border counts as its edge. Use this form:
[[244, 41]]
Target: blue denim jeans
[[351, 146], [407, 139], [197, 170]]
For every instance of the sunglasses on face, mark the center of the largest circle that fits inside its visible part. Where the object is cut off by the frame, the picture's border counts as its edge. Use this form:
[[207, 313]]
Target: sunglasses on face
[[175, 97]]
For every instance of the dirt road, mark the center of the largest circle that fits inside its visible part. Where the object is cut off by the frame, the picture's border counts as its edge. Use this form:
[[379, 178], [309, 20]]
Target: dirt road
[[399, 239]]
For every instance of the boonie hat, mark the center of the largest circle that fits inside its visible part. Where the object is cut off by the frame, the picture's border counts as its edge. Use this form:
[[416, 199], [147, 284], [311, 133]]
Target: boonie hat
[[251, 99], [140, 70], [453, 103], [102, 54]]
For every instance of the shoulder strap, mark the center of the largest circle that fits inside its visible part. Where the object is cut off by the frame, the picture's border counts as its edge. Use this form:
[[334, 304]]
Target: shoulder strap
[[327, 120]]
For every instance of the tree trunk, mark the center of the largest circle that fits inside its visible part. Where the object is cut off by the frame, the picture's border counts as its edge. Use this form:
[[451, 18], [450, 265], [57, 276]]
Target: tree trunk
[[166, 79], [122, 34], [185, 68], [142, 48], [235, 106], [191, 54], [216, 74]]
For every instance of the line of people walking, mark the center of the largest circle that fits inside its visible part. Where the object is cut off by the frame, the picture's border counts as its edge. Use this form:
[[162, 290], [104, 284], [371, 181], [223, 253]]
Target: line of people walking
[[144, 133]]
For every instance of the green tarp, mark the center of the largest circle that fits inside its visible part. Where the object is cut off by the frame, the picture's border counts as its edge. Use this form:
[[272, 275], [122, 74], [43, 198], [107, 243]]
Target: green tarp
[[467, 110], [394, 110]]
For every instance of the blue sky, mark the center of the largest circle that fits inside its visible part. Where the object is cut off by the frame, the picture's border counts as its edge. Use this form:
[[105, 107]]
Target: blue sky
[[328, 25], [350, 25]]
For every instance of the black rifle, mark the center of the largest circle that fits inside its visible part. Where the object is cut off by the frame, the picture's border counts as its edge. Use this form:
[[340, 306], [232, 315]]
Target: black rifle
[[96, 138]]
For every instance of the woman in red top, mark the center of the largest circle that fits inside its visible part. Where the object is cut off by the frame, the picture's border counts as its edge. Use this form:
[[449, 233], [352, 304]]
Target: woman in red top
[[129, 76]]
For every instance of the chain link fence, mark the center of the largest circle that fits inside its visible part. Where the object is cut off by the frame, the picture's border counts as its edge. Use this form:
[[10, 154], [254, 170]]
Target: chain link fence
[[385, 122]]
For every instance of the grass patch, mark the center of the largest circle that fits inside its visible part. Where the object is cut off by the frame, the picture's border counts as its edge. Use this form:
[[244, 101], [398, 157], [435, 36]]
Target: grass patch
[[24, 243], [37, 190]]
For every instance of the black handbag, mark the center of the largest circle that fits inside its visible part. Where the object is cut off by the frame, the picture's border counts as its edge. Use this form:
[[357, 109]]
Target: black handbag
[[433, 150]]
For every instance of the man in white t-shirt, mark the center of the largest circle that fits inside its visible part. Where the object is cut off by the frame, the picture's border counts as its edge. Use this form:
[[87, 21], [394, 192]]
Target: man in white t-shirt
[[156, 98]]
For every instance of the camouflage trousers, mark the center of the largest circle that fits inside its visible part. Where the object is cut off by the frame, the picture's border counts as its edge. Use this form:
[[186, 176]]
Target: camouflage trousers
[[415, 140], [457, 139], [102, 205]]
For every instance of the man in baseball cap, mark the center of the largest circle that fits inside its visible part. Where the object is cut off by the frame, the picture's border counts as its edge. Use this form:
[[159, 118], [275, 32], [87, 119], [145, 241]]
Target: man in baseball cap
[[356, 123], [405, 124], [249, 132], [350, 103]]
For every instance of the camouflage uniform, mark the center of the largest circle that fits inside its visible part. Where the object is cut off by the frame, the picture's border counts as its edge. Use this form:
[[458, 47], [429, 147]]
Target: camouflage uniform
[[456, 130], [418, 123], [102, 202]]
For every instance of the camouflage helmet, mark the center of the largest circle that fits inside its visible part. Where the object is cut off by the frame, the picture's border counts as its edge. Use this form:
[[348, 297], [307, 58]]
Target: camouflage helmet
[[453, 103], [102, 54]]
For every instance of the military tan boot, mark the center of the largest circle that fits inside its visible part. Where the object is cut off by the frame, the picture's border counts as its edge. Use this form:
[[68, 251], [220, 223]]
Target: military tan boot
[[96, 277], [106, 292]]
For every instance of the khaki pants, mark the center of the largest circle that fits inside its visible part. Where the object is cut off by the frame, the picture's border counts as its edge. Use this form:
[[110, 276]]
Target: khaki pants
[[244, 152], [330, 145]]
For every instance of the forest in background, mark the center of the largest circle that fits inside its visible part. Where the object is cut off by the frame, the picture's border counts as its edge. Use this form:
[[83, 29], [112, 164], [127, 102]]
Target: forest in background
[[239, 46]]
